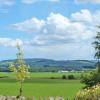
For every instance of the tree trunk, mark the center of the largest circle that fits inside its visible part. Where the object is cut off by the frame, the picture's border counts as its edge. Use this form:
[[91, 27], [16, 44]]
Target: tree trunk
[[98, 66], [20, 90]]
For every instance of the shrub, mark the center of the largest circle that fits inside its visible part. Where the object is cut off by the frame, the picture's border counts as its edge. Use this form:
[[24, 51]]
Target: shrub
[[52, 78], [91, 79], [64, 77], [71, 77], [92, 93]]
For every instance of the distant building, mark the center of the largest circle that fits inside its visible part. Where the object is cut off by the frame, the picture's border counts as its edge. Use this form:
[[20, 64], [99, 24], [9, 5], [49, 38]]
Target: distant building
[[62, 71]]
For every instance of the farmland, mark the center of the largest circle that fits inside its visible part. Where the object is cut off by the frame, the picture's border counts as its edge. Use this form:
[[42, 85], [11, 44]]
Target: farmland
[[41, 84], [45, 74]]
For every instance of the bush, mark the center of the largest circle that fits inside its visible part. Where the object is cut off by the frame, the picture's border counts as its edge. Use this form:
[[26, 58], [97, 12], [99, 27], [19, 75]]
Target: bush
[[52, 77], [91, 79], [64, 77], [71, 77], [92, 93]]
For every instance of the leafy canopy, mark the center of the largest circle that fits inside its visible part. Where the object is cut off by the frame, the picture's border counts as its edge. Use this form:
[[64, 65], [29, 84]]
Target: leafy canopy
[[20, 69]]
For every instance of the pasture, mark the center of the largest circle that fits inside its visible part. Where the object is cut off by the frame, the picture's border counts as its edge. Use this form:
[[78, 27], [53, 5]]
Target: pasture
[[45, 74], [40, 85]]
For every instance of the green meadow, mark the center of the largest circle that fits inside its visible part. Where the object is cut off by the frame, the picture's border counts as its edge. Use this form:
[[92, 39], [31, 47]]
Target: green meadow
[[45, 74], [40, 85]]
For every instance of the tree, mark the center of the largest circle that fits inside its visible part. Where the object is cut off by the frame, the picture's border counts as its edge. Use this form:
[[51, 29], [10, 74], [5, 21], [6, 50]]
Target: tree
[[90, 79], [97, 49], [20, 69], [93, 78]]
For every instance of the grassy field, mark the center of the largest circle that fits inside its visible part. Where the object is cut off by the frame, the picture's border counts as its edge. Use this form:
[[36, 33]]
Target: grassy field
[[40, 84], [46, 74]]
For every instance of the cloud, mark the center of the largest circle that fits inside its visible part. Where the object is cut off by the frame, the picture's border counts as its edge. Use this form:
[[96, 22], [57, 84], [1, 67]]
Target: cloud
[[65, 51], [57, 29], [86, 16], [88, 1], [58, 36], [10, 42], [35, 1], [7, 2], [32, 25], [5, 5], [83, 15]]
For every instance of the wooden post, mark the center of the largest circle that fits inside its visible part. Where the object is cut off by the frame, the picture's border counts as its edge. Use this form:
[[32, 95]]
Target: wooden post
[[2, 98], [51, 98], [40, 98], [59, 98]]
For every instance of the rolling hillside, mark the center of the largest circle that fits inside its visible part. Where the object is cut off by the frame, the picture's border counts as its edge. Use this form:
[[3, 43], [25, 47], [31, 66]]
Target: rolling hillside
[[37, 63]]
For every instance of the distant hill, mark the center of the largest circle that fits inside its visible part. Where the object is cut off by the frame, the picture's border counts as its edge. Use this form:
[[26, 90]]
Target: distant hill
[[39, 64]]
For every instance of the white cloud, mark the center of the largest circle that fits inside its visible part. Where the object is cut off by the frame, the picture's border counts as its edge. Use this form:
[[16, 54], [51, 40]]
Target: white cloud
[[5, 5], [96, 17], [58, 36], [87, 17], [29, 1], [35, 1], [32, 25], [58, 29], [66, 51], [10, 42], [7, 2], [83, 15], [12, 2], [88, 1]]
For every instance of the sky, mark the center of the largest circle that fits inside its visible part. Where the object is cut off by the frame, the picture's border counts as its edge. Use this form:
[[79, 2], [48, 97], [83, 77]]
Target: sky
[[52, 29]]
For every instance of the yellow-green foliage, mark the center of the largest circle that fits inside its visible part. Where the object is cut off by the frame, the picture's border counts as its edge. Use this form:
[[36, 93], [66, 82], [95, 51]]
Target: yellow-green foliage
[[92, 93], [21, 72], [19, 68]]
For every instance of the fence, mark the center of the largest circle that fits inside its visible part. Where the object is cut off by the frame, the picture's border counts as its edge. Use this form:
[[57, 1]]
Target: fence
[[30, 98]]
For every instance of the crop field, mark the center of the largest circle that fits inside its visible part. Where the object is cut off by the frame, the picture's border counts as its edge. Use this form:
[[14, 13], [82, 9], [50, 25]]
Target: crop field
[[40, 85]]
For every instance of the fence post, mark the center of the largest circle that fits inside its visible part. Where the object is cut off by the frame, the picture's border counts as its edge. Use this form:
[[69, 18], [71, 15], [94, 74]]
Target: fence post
[[33, 98], [59, 98], [40, 98], [30, 98], [13, 97], [22, 98], [51, 98], [2, 98]]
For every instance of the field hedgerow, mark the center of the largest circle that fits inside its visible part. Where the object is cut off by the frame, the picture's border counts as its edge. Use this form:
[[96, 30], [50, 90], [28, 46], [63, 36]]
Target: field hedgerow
[[92, 93]]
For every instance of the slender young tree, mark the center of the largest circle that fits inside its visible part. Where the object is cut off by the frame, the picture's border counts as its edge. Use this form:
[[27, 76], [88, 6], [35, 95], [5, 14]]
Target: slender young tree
[[20, 69], [97, 49]]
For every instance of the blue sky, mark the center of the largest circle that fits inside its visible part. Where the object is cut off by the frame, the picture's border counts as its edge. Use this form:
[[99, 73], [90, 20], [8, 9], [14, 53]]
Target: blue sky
[[53, 29]]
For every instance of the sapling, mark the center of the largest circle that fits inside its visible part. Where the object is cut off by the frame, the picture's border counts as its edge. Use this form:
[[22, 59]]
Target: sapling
[[20, 69]]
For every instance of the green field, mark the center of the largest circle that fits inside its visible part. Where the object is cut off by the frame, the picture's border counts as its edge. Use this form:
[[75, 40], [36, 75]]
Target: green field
[[46, 74], [40, 84]]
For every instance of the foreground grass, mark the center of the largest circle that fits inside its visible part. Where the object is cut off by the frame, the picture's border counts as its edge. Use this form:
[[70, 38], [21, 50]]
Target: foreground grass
[[41, 86]]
